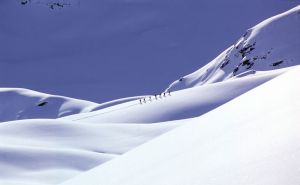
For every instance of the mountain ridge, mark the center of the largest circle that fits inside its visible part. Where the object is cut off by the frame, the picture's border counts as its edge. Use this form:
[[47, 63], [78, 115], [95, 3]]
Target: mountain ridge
[[274, 43]]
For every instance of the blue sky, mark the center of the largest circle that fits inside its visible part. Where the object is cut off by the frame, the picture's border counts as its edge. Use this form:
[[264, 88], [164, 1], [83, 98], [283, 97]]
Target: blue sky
[[101, 50]]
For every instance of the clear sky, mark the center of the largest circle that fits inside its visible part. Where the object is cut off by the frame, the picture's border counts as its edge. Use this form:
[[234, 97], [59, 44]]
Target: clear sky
[[106, 49]]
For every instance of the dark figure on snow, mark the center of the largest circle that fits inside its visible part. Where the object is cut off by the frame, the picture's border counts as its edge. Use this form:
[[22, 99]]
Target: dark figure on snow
[[150, 98], [140, 101], [155, 96], [160, 96], [144, 100], [169, 92], [164, 94]]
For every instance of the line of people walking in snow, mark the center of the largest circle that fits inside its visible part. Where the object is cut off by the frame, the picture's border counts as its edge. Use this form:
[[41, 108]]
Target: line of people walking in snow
[[156, 97]]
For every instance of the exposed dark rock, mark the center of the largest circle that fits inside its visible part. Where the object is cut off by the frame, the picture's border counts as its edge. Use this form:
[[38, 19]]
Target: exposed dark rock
[[250, 65], [24, 2], [42, 104], [264, 57], [225, 62], [235, 70], [247, 49], [246, 62], [277, 63]]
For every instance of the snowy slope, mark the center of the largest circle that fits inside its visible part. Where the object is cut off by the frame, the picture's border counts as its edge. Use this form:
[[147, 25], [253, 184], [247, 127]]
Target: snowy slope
[[178, 105], [19, 104], [50, 151], [252, 140], [243, 59], [272, 44]]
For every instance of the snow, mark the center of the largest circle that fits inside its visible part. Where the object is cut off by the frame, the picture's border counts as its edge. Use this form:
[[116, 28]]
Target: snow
[[272, 44], [221, 124], [251, 140], [50, 151], [99, 50], [116, 102], [182, 104], [19, 104]]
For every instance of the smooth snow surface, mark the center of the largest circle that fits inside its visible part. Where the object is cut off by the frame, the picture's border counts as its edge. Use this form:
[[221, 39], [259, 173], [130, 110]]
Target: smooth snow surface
[[19, 104], [178, 105], [51, 151], [252, 140], [272, 44]]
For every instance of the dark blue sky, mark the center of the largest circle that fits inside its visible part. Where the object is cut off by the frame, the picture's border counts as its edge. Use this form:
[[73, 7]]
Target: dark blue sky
[[101, 50]]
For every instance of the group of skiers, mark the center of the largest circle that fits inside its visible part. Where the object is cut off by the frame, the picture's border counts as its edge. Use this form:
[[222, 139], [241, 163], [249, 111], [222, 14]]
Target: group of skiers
[[156, 96]]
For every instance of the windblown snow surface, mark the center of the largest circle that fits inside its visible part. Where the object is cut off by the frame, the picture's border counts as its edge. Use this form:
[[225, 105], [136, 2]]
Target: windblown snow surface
[[234, 121], [252, 140]]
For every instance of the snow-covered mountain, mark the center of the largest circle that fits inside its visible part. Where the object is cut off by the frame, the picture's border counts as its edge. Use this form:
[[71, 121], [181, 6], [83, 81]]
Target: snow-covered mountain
[[99, 50], [272, 44], [265, 47], [229, 124]]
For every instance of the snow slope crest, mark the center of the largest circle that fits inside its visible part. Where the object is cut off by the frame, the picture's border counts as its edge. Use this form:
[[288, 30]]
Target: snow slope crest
[[272, 44], [18, 103]]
